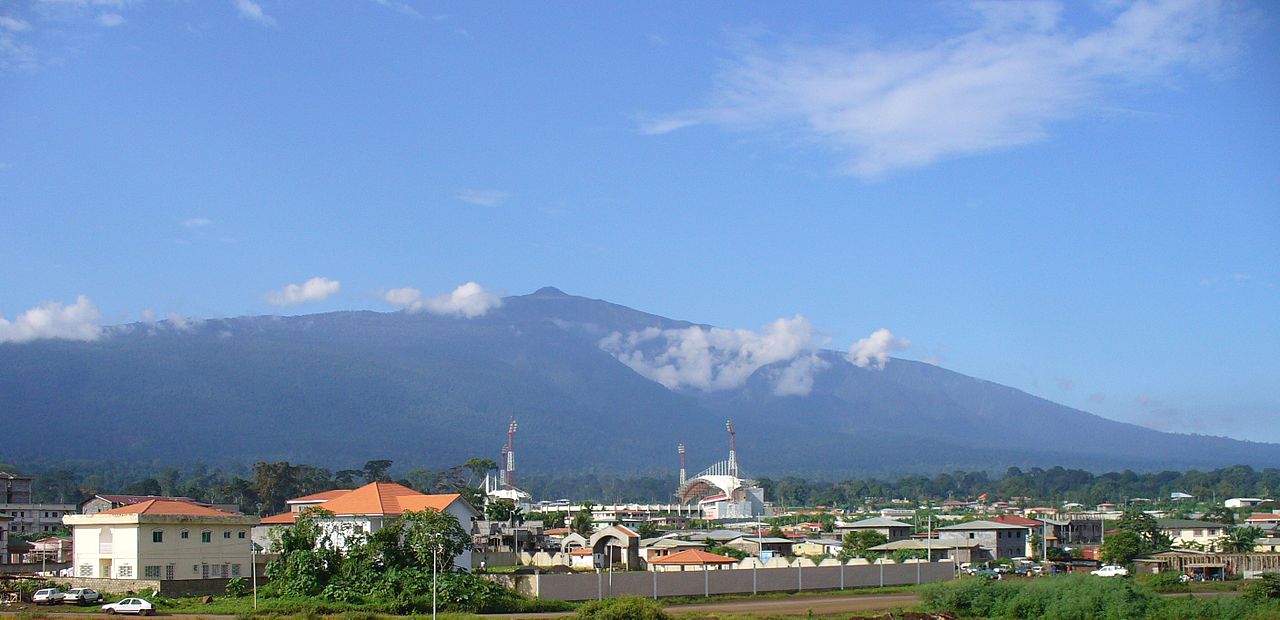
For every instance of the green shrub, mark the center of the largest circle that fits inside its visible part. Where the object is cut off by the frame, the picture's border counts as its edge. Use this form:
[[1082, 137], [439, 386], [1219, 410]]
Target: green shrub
[[1164, 582], [1266, 588], [622, 608], [237, 587]]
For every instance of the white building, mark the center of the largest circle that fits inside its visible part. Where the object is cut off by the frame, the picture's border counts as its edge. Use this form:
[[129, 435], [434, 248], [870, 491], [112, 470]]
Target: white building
[[161, 539], [376, 505], [1243, 502]]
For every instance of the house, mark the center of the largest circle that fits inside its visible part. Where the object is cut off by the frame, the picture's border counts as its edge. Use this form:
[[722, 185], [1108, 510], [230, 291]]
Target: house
[[161, 539], [1262, 518], [957, 551], [51, 549], [692, 559], [892, 530], [771, 547], [1034, 527], [99, 503], [997, 540], [1179, 496], [653, 548], [815, 547], [378, 504], [897, 513], [1191, 534], [1243, 502]]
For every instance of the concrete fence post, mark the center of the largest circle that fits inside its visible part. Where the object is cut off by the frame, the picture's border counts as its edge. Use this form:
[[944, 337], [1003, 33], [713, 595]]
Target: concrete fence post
[[706, 582], [655, 585]]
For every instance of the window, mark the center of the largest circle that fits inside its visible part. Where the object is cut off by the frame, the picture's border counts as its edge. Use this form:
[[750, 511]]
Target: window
[[157, 536], [970, 534], [126, 571], [168, 572], [204, 571], [235, 570], [206, 536], [151, 572], [86, 570], [184, 534], [227, 534], [240, 535]]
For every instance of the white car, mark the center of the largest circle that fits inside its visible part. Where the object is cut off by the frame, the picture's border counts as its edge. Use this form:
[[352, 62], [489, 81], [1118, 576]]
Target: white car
[[1111, 570], [82, 595], [47, 596], [130, 606]]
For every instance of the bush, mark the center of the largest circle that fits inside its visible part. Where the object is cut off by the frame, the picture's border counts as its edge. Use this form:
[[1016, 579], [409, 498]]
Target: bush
[[622, 608], [236, 587], [1164, 582]]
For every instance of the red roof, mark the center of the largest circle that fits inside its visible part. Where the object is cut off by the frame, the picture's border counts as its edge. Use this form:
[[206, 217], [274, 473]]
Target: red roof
[[580, 552], [693, 556], [1016, 520], [134, 499], [167, 507], [286, 518], [386, 498], [322, 496], [556, 531], [1263, 516]]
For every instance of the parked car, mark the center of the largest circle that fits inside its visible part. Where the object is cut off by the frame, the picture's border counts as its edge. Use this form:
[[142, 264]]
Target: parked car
[[82, 596], [986, 573], [1111, 570], [47, 596], [130, 606]]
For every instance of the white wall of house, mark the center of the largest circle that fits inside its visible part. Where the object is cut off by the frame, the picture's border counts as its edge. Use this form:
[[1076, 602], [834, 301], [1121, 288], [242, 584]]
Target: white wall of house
[[112, 547], [339, 527]]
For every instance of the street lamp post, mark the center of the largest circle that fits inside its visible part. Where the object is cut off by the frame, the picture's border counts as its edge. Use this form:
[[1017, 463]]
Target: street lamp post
[[435, 554], [253, 569]]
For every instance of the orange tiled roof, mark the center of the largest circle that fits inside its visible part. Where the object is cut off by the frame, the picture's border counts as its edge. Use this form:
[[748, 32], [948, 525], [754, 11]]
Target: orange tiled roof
[[281, 519], [386, 498], [1263, 516], [167, 507], [322, 496], [580, 552], [693, 556]]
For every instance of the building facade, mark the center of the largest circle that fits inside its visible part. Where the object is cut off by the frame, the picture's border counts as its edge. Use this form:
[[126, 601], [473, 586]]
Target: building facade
[[997, 540], [161, 539]]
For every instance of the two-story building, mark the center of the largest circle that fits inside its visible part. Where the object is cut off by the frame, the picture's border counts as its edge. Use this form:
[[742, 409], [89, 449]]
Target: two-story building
[[1191, 534], [892, 530], [996, 540], [161, 539]]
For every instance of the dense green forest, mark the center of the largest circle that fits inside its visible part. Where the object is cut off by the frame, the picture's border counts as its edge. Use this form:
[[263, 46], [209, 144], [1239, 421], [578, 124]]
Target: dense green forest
[[263, 487]]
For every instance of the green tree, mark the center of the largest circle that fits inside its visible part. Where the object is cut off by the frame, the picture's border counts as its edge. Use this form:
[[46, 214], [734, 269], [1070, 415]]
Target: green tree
[[501, 510], [435, 537], [582, 520], [1122, 547], [1240, 540], [648, 529], [1221, 514], [1145, 526], [478, 468], [376, 471], [856, 544]]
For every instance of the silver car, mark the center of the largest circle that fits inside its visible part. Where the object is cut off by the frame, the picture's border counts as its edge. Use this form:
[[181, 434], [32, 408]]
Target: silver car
[[47, 596], [81, 596]]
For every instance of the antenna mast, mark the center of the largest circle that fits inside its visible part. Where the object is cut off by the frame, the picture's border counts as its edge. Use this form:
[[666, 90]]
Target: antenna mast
[[511, 454], [680, 449], [733, 451]]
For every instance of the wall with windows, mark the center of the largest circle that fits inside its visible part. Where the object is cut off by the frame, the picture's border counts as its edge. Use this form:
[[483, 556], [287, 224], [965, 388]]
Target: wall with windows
[[188, 549]]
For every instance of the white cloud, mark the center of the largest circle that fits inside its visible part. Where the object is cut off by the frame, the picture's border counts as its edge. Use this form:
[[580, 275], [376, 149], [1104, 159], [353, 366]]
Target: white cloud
[[996, 85], [78, 321], [197, 222], [178, 322], [110, 20], [469, 300], [13, 24], [483, 197], [873, 351], [716, 358], [252, 11], [315, 289]]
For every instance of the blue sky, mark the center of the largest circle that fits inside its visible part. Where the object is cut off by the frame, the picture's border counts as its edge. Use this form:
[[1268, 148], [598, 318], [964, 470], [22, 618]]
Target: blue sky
[[1081, 200]]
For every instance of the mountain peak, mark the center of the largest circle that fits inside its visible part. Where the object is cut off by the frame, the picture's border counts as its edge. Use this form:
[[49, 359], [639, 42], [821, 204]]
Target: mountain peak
[[549, 291]]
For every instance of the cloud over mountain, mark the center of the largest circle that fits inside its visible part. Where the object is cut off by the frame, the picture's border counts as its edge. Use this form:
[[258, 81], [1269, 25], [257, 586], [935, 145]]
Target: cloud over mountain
[[78, 321], [469, 300], [315, 289]]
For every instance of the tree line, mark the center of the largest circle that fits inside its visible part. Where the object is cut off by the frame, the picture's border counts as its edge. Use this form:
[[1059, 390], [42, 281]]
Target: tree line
[[263, 487]]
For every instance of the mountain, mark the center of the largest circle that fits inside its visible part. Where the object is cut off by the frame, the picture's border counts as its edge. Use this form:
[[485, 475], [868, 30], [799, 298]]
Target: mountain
[[339, 388]]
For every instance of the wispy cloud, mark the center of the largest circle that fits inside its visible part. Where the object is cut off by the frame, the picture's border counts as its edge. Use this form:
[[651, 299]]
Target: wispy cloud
[[313, 290], [196, 222], [402, 7], [469, 301], [997, 85], [483, 197], [13, 24], [252, 11], [110, 20], [78, 321]]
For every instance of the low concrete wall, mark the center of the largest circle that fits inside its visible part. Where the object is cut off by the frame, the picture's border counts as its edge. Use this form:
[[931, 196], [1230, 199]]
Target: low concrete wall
[[651, 584], [175, 587], [31, 569]]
